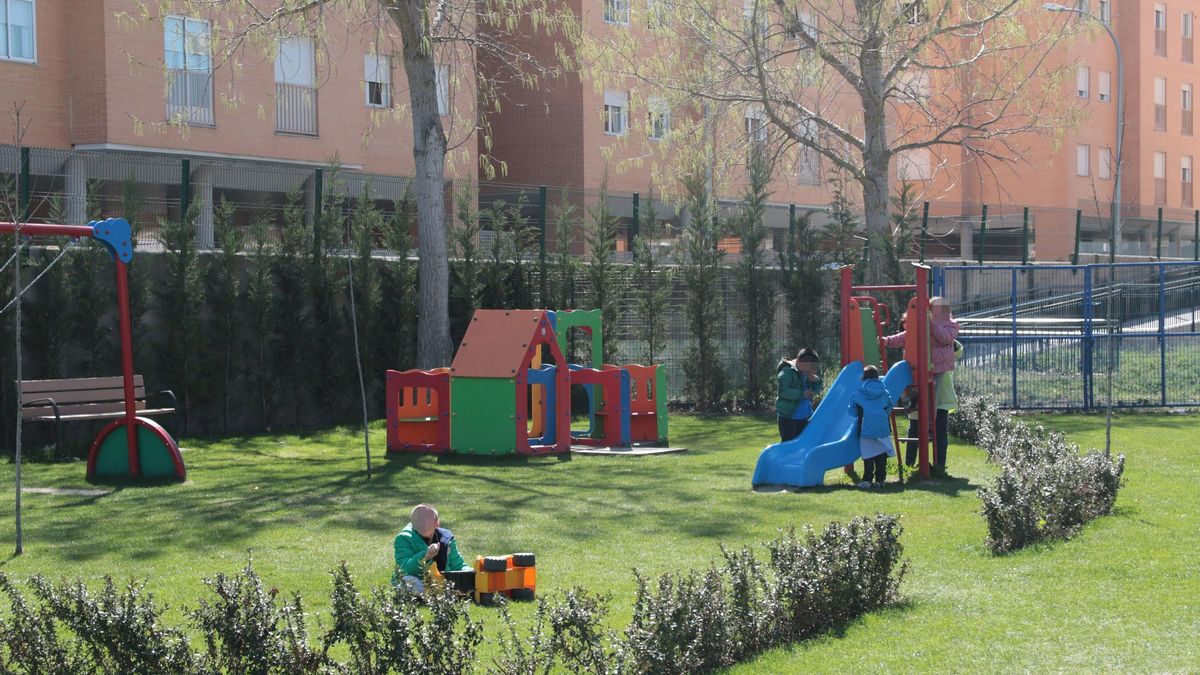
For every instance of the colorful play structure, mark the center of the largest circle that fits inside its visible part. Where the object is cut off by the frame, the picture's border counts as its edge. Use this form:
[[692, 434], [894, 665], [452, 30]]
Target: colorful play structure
[[830, 441], [508, 391], [130, 447]]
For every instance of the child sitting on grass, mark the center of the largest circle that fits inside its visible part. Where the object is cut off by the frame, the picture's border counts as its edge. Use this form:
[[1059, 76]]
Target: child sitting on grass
[[872, 404]]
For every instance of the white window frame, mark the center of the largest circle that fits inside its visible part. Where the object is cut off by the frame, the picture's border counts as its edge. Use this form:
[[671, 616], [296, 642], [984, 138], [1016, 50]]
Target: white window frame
[[1160, 165], [808, 165], [1083, 160], [281, 65], [199, 113], [915, 164], [1105, 12], [804, 23], [1104, 171], [441, 83], [1185, 168], [756, 123], [1104, 86], [1185, 96], [1160, 91], [658, 119], [6, 55], [616, 12], [1185, 24], [1160, 17], [616, 112], [1083, 85], [379, 66]]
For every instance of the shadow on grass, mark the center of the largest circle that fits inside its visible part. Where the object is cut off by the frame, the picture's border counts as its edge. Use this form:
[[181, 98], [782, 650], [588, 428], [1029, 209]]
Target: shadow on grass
[[950, 487]]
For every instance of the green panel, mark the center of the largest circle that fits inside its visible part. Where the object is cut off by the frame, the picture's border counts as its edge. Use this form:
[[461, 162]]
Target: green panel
[[660, 403], [590, 318], [870, 338], [483, 415], [154, 455], [113, 457]]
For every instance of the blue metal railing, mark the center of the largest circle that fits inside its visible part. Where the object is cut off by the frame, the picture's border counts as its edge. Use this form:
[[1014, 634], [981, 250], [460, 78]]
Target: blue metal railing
[[1046, 347]]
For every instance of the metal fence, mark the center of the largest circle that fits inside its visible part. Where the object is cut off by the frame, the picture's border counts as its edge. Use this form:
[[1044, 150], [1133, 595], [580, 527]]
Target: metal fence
[[1044, 336]]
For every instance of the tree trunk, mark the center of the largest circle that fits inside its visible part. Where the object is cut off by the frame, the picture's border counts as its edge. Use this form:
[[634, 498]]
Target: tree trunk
[[429, 155], [876, 152]]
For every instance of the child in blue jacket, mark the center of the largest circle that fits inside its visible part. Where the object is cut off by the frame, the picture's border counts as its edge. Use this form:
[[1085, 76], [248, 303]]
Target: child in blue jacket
[[872, 405]]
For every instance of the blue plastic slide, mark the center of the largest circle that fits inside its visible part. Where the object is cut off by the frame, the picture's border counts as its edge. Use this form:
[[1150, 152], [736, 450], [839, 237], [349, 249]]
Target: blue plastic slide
[[829, 441]]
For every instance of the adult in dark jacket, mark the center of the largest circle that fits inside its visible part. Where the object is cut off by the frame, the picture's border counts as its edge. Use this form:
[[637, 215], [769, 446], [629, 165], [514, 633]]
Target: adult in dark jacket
[[798, 385], [421, 544]]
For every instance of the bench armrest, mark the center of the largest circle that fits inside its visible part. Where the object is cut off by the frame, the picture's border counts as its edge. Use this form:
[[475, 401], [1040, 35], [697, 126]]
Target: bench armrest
[[168, 393], [52, 403]]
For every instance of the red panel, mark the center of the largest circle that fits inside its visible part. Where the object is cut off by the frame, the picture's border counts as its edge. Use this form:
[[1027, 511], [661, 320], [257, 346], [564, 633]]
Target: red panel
[[543, 334], [609, 410], [497, 342], [414, 395], [643, 403]]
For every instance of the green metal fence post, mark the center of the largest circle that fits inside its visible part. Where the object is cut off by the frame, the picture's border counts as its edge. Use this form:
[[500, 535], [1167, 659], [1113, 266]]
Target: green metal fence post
[[1025, 237], [982, 233], [633, 227], [924, 229], [1196, 236], [542, 242], [24, 189], [1158, 248], [318, 219], [185, 188], [791, 242], [1079, 221]]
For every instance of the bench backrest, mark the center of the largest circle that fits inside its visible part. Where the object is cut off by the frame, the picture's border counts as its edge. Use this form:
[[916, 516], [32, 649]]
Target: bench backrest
[[80, 396]]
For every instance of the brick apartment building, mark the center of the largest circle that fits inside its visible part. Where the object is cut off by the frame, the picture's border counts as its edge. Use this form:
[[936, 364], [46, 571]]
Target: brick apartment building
[[570, 131], [110, 95]]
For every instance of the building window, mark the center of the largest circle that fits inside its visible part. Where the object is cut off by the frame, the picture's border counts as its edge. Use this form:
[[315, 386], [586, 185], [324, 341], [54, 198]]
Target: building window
[[295, 93], [1185, 102], [914, 12], [616, 112], [914, 164], [1160, 178], [1106, 12], [18, 31], [659, 119], [1083, 76], [441, 80], [808, 168], [616, 11], [1160, 30], [377, 73], [1104, 86], [802, 24], [1083, 160], [1185, 171], [1160, 104], [187, 54], [756, 124], [1106, 164], [1185, 26], [913, 85]]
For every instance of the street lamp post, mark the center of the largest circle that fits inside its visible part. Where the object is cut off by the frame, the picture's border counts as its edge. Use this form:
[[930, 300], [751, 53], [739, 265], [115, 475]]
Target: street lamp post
[[1115, 232]]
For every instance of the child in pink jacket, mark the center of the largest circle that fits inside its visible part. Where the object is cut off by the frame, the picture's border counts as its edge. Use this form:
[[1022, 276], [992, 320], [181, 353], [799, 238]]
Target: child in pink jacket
[[943, 331]]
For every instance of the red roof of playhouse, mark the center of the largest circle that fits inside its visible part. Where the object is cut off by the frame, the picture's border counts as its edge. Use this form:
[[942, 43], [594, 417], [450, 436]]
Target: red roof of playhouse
[[497, 342]]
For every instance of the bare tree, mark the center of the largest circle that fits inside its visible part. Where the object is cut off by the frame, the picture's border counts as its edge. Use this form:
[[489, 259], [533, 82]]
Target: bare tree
[[455, 32], [853, 86]]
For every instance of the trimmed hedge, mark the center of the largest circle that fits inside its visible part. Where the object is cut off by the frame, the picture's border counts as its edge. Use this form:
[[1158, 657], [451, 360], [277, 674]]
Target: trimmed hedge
[[684, 622], [1046, 488]]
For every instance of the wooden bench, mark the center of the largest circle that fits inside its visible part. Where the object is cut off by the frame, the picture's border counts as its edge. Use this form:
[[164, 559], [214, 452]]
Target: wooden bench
[[84, 399]]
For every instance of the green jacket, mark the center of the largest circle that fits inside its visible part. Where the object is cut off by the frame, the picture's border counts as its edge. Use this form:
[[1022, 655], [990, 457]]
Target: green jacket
[[410, 550], [792, 385]]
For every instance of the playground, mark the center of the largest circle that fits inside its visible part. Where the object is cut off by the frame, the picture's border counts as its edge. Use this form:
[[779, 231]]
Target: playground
[[1120, 596]]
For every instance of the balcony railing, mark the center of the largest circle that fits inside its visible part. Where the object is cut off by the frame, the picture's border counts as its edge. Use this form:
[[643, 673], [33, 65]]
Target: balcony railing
[[295, 109], [189, 97], [1185, 194], [1160, 42], [1185, 123], [1160, 190], [1186, 50], [1160, 117]]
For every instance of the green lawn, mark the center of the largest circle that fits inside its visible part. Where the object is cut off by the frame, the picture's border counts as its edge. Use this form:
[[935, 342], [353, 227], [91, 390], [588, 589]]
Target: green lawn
[[1124, 595]]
